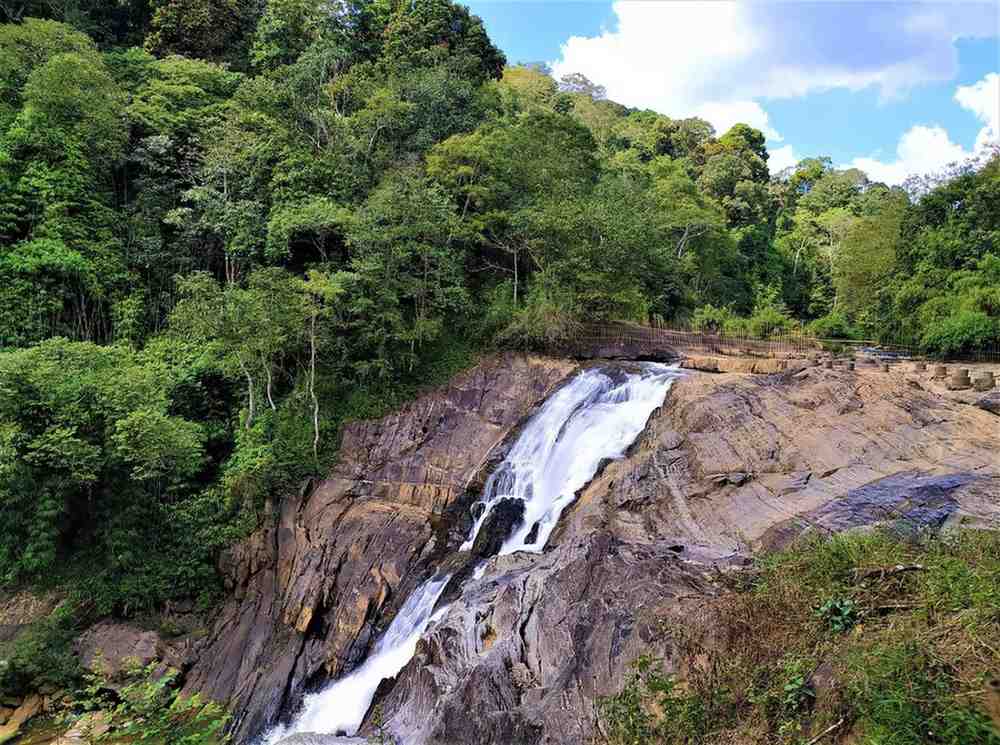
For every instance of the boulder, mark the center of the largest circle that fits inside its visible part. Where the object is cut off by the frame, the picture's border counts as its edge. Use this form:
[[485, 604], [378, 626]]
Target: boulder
[[990, 403], [29, 708], [504, 518], [110, 648]]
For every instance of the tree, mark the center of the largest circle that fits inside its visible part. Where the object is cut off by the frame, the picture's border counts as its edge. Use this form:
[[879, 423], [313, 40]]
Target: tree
[[196, 28], [576, 82], [409, 275]]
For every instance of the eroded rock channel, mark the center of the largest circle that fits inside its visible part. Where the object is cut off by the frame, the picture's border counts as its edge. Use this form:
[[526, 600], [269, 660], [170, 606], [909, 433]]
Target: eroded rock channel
[[524, 641]]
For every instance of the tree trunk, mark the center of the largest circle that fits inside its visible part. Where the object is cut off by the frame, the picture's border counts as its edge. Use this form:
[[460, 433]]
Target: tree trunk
[[312, 388], [249, 377]]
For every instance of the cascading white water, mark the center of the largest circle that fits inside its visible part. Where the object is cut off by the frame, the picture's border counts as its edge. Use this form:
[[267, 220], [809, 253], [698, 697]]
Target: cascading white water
[[592, 418], [341, 706]]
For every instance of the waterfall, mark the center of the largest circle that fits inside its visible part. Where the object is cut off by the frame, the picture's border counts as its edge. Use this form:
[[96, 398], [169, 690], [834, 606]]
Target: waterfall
[[594, 417]]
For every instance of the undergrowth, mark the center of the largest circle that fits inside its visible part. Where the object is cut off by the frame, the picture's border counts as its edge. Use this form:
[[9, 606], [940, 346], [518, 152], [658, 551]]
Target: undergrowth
[[868, 639]]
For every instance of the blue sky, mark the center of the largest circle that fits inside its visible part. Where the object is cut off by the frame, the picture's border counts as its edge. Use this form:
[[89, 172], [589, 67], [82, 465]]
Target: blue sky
[[892, 87]]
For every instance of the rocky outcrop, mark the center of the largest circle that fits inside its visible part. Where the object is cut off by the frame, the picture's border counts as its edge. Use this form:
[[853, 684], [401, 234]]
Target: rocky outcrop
[[311, 592], [111, 649], [22, 609], [732, 465]]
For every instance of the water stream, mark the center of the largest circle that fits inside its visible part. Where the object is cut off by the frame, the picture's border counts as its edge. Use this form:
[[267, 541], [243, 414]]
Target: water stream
[[594, 417]]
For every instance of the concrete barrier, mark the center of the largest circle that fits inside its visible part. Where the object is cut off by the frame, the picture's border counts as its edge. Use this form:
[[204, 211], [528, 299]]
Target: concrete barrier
[[959, 379], [984, 381]]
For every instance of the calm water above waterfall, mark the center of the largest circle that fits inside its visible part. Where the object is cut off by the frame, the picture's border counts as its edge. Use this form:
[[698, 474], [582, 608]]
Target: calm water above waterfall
[[595, 416]]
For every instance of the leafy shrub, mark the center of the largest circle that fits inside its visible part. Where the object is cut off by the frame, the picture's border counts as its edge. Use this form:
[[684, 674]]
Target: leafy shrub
[[712, 319], [41, 655], [961, 333], [545, 321], [833, 326], [769, 320], [838, 614], [653, 708], [150, 708]]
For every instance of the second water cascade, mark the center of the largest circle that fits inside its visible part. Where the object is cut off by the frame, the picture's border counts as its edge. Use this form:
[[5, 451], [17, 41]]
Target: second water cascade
[[595, 416]]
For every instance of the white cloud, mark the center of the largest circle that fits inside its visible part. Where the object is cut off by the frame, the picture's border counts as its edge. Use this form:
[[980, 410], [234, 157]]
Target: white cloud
[[921, 149], [724, 115], [983, 100], [715, 59], [781, 158], [927, 149]]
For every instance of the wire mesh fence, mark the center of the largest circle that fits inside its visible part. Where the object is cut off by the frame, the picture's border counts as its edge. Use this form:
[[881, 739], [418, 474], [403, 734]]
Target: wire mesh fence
[[628, 339]]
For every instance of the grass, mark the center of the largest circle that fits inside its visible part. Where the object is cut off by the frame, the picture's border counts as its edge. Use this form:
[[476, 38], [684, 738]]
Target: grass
[[868, 639]]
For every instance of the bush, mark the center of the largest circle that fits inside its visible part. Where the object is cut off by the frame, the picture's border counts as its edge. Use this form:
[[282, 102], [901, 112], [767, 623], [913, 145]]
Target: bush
[[961, 333], [769, 320], [711, 319], [545, 321], [41, 655], [833, 326], [150, 708]]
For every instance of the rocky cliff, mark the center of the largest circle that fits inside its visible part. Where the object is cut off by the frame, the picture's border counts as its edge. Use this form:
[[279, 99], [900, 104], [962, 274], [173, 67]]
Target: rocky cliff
[[732, 464], [310, 592]]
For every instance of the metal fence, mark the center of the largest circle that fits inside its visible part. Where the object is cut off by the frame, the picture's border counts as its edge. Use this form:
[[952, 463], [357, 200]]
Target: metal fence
[[635, 339]]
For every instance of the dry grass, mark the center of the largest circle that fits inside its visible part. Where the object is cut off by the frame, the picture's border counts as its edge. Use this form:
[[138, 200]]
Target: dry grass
[[872, 639]]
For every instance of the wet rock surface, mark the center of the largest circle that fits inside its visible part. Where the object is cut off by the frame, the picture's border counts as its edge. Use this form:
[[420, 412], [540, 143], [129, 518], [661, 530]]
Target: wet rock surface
[[732, 465], [310, 592]]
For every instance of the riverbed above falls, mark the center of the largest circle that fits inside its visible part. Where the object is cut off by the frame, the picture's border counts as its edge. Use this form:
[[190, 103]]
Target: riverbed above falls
[[733, 463]]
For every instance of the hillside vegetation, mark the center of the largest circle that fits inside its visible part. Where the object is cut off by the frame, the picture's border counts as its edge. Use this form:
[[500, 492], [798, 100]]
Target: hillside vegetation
[[879, 639], [226, 228]]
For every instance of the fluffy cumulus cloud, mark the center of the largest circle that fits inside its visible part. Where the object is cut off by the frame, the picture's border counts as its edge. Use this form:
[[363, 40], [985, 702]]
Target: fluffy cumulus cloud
[[781, 158], [719, 60], [983, 100], [927, 149], [920, 150]]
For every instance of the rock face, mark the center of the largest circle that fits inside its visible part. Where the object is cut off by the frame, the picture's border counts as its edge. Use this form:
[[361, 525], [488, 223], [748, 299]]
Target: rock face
[[310, 593], [110, 648], [524, 653], [732, 464]]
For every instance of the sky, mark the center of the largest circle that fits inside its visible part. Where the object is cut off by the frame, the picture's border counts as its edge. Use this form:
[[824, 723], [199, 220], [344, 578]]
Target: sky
[[894, 88]]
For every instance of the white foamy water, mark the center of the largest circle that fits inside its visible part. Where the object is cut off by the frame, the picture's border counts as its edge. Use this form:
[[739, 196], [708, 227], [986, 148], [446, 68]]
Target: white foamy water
[[592, 418], [341, 706]]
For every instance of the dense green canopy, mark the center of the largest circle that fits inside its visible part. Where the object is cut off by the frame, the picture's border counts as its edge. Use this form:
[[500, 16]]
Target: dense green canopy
[[226, 228]]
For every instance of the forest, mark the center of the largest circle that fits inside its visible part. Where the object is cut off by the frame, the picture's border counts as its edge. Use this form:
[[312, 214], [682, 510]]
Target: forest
[[228, 227]]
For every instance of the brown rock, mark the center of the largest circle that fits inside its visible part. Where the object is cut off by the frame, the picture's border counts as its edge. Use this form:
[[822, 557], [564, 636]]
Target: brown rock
[[23, 609], [30, 708], [111, 648], [984, 381], [311, 592]]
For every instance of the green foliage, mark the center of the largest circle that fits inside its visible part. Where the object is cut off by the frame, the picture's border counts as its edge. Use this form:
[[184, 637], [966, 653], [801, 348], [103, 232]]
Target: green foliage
[[41, 655], [904, 697], [199, 28], [712, 319], [915, 671], [834, 325], [961, 333], [652, 707], [839, 614], [149, 707]]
